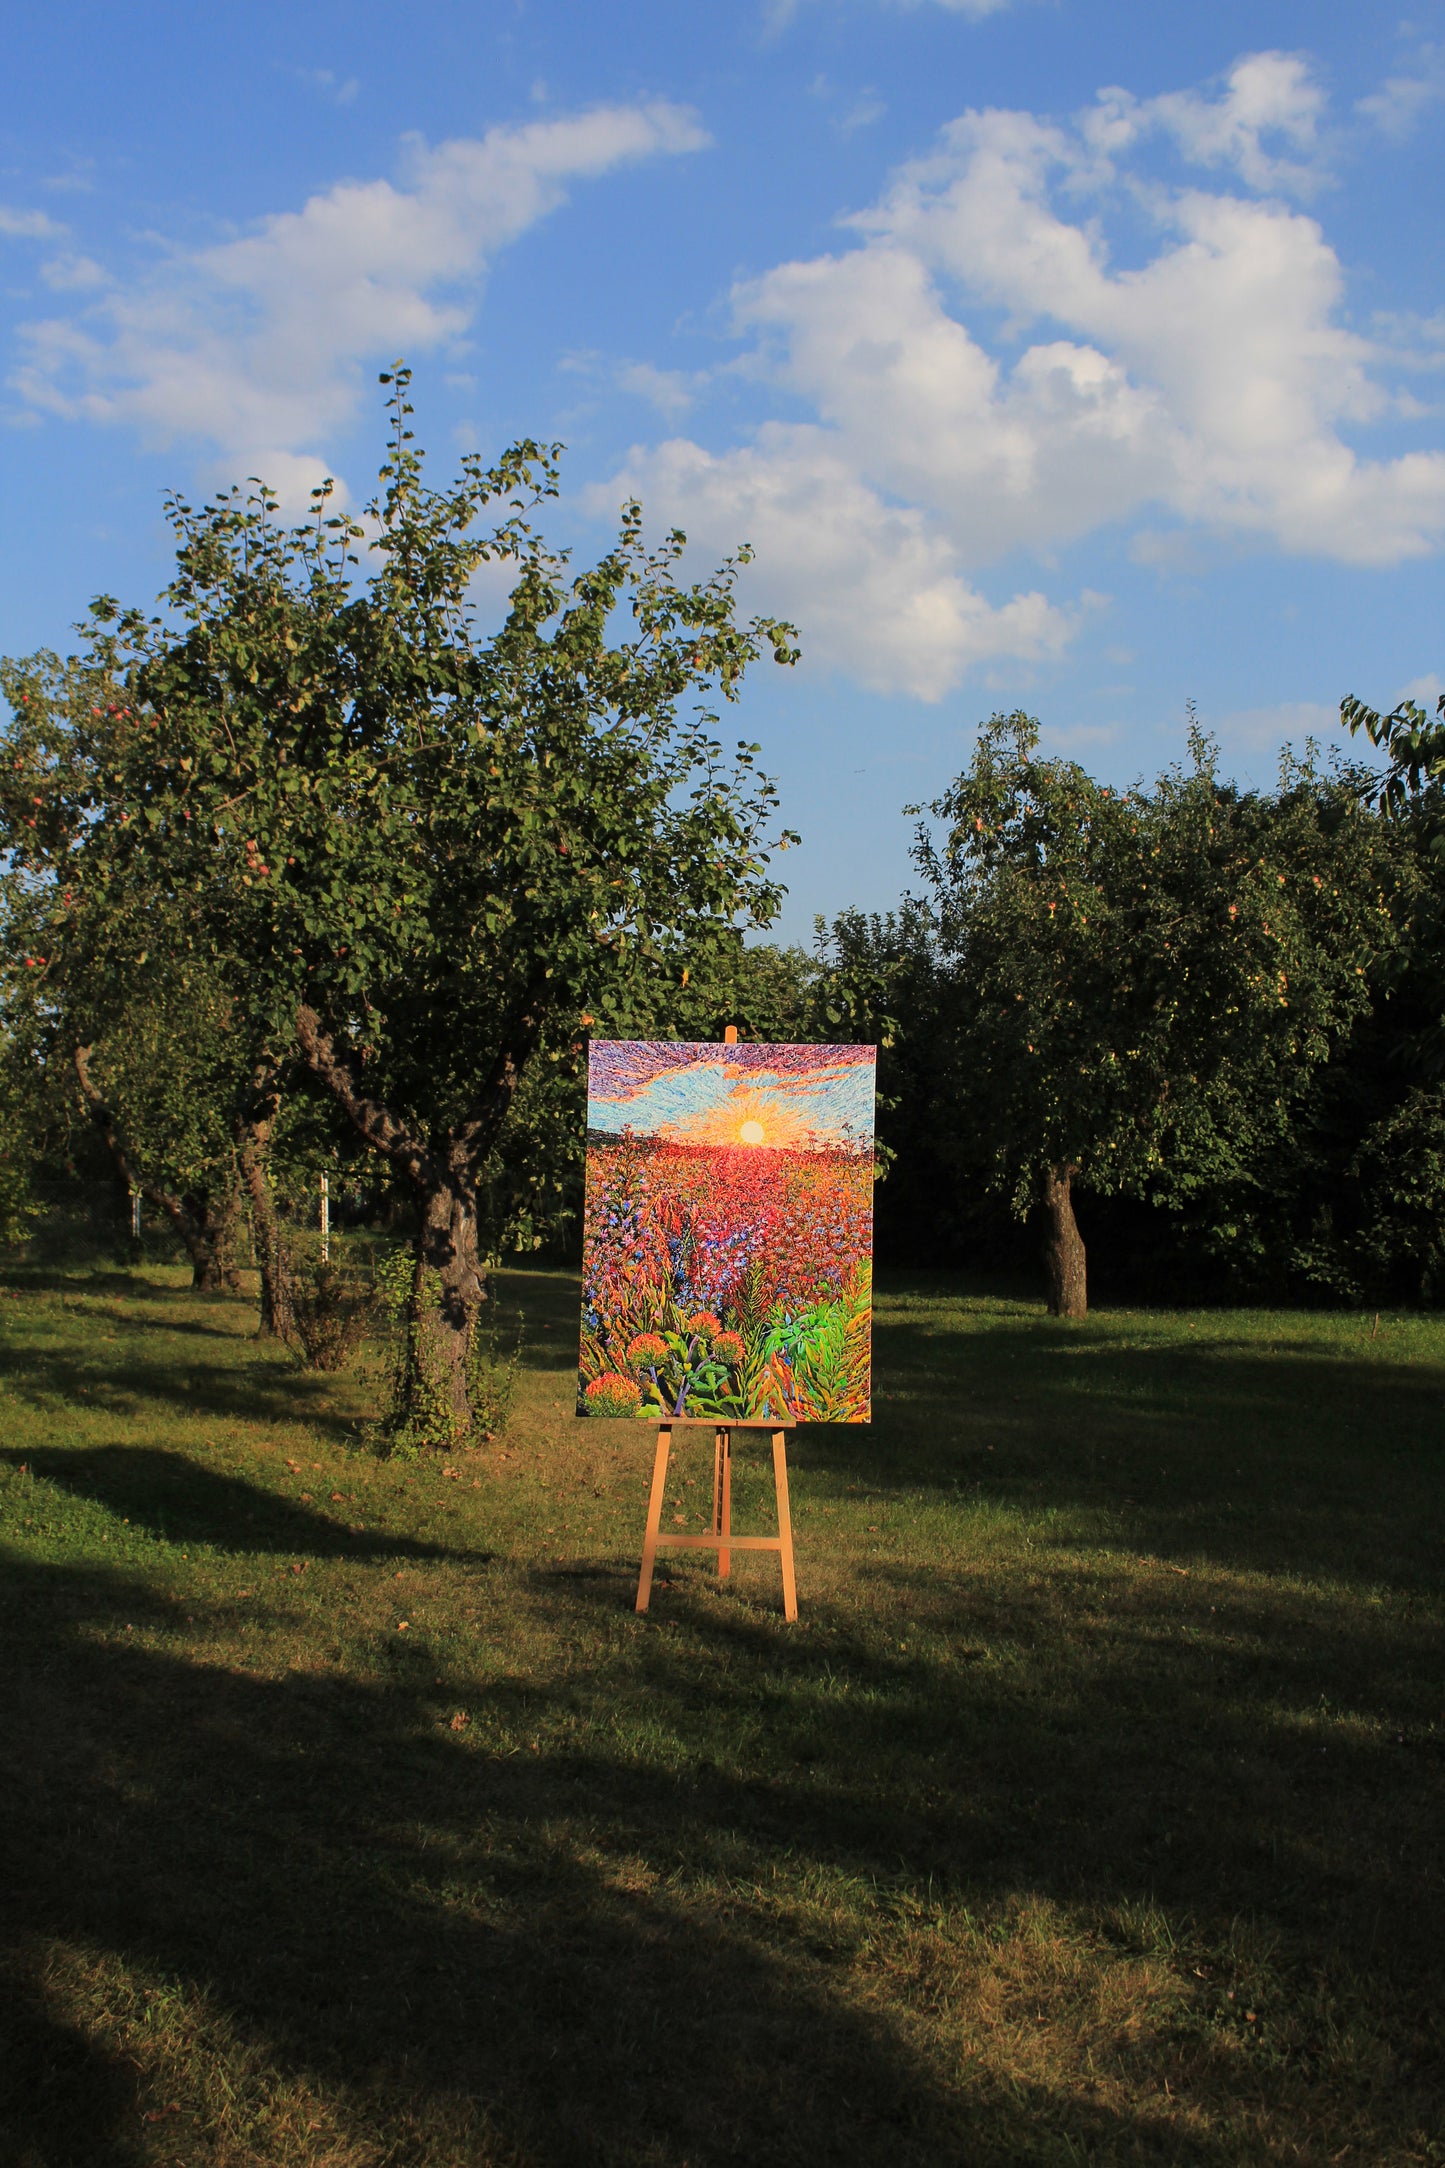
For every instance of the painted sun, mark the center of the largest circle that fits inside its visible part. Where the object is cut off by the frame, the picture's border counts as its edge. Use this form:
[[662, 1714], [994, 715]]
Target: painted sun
[[752, 1132]]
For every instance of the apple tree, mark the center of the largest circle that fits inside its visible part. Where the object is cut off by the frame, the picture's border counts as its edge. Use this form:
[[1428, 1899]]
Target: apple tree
[[1143, 980], [436, 849]]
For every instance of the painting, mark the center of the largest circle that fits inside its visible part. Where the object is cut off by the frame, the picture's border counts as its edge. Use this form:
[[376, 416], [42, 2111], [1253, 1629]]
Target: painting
[[728, 1237]]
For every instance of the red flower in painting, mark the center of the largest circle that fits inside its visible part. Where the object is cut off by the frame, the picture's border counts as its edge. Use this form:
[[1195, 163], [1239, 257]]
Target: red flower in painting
[[613, 1395]]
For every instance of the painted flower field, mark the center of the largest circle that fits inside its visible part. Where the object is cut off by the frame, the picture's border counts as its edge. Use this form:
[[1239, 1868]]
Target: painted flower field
[[727, 1253]]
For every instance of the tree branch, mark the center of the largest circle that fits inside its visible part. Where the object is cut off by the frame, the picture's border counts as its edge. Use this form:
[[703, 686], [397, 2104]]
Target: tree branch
[[374, 1123], [476, 1135], [105, 1121]]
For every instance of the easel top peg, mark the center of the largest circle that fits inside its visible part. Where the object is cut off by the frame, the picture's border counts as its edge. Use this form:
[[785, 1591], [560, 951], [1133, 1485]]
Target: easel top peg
[[730, 1036]]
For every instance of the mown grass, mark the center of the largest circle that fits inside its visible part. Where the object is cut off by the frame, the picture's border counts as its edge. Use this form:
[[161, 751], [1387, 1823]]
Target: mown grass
[[1090, 1814]]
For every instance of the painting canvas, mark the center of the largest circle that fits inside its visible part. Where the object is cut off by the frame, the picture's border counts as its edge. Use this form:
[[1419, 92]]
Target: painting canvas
[[728, 1244]]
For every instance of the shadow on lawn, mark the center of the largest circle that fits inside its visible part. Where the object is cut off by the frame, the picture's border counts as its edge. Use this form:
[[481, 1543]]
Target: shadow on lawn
[[491, 1948], [251, 1388], [1281, 1460], [171, 1497], [548, 1305], [98, 1283]]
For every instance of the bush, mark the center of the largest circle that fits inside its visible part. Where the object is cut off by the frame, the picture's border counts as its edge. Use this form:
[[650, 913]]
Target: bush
[[331, 1308]]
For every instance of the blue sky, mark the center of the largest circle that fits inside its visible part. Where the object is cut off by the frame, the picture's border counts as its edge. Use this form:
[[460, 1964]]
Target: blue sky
[[1086, 358]]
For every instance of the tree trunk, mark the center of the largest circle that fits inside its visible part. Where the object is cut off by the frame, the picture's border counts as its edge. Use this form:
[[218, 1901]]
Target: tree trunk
[[1064, 1259], [450, 1283], [205, 1226], [448, 1291], [272, 1259], [208, 1225], [253, 1140]]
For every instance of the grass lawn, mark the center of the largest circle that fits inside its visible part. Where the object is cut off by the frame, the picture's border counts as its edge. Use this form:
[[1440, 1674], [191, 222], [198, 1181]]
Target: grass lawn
[[1091, 1813]]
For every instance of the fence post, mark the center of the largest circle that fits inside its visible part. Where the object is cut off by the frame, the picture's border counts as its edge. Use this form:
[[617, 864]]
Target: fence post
[[325, 1220]]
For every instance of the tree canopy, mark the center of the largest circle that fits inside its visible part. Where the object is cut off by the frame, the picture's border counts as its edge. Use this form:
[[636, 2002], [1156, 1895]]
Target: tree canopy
[[1414, 747], [1145, 979], [423, 850]]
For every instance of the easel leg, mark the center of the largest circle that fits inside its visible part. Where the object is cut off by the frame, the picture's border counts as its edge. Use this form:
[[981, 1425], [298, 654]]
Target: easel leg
[[717, 1439], [785, 1523], [654, 1517], [725, 1502]]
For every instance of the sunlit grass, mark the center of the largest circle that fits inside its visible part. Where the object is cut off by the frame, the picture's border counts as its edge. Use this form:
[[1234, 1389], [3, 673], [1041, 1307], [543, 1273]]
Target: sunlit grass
[[1090, 1813]]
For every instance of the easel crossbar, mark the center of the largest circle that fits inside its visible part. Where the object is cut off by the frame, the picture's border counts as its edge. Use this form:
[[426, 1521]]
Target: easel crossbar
[[722, 1543]]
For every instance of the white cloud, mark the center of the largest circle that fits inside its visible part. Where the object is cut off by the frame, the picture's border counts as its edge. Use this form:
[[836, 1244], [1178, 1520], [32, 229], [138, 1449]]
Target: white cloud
[[1078, 740], [976, 9], [864, 109], [255, 346], [1181, 553], [1208, 386], [867, 108], [778, 14], [1401, 101], [1424, 691], [1214, 380], [78, 181], [919, 406], [1266, 95], [73, 274], [1409, 339], [1267, 729], [671, 391], [28, 225], [337, 90], [874, 585]]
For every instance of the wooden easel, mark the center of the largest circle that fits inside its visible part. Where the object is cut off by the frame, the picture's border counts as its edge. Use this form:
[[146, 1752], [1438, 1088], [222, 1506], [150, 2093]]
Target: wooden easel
[[720, 1538]]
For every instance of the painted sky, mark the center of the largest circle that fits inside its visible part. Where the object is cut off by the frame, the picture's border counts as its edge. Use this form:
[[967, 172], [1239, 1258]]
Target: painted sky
[[1080, 355], [774, 1098]]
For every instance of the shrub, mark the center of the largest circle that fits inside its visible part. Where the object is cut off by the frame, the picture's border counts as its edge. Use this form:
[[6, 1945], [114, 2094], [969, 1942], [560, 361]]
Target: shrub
[[331, 1308]]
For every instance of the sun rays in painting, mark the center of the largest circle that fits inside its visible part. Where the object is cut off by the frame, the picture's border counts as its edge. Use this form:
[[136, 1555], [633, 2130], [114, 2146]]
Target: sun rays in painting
[[728, 1233]]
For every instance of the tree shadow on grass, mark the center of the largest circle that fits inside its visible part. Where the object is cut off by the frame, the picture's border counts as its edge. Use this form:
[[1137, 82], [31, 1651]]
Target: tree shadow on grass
[[62, 2099], [1292, 1460], [173, 1498], [593, 1925], [251, 1388], [189, 1327], [1160, 1762], [547, 1306], [182, 1324], [472, 1953], [98, 1282]]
